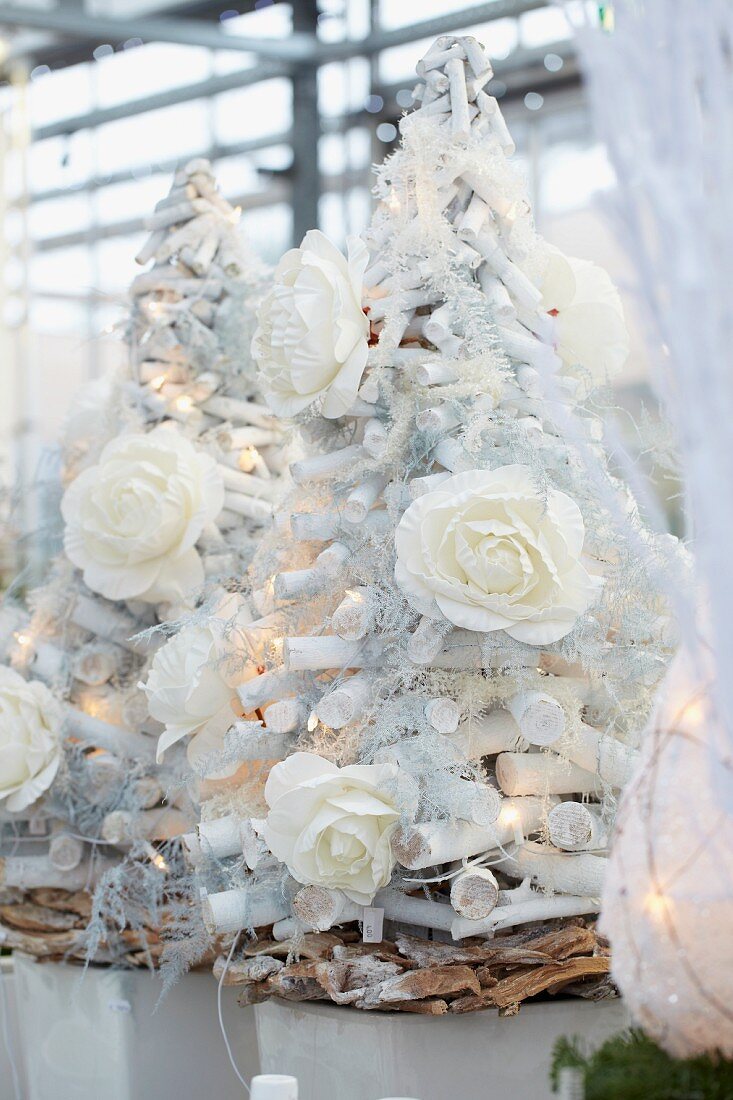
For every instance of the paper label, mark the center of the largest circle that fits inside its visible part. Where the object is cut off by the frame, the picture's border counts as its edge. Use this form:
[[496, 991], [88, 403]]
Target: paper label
[[373, 924], [37, 826], [120, 1007]]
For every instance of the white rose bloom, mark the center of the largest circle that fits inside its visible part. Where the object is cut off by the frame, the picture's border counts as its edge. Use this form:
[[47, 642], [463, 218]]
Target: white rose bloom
[[132, 520], [312, 339], [331, 826], [590, 330], [192, 680], [31, 720], [488, 552]]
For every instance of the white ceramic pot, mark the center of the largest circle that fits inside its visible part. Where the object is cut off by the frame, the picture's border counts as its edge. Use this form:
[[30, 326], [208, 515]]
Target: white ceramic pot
[[12, 1077], [98, 1035], [345, 1054]]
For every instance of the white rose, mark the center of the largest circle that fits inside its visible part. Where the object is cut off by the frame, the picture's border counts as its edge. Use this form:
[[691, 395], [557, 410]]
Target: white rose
[[192, 680], [331, 826], [590, 330], [313, 335], [132, 520], [31, 720], [488, 552]]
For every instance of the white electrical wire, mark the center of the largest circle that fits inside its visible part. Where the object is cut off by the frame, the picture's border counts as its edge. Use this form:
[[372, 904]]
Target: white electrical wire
[[222, 1028]]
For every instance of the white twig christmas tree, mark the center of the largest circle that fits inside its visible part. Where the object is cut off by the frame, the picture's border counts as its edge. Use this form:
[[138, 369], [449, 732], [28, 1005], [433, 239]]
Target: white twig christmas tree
[[168, 475], [458, 639]]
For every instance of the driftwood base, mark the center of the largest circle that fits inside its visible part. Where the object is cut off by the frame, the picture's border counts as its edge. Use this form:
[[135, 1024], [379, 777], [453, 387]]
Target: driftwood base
[[410, 974]]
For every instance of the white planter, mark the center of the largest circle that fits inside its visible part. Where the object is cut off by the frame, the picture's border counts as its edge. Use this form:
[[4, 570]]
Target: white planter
[[12, 1084], [339, 1053], [94, 1036]]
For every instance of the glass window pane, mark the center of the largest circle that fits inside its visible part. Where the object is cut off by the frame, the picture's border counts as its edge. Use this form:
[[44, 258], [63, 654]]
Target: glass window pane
[[60, 94], [253, 112], [115, 263], [156, 136], [570, 175], [60, 162], [145, 70], [59, 216], [269, 230], [68, 270], [134, 199]]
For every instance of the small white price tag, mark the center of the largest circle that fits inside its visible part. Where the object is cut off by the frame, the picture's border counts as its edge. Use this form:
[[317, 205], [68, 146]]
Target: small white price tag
[[37, 825], [373, 924]]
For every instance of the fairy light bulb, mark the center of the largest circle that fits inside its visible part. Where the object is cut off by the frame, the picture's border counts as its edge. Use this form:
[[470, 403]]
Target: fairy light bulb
[[693, 714], [511, 818], [155, 857], [247, 459], [23, 640], [184, 403], [657, 905], [157, 383]]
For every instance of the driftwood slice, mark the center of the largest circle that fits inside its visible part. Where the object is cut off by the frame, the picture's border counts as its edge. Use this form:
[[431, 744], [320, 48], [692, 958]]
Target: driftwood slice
[[37, 918], [42, 945], [434, 1007], [528, 983], [434, 981], [247, 971], [313, 945], [77, 901]]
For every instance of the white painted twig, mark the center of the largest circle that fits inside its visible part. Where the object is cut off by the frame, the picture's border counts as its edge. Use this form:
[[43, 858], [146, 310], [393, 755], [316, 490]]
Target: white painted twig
[[330, 651], [345, 703], [321, 467], [104, 735], [559, 872], [577, 827], [474, 893], [540, 908], [435, 842], [542, 773], [355, 616], [232, 910]]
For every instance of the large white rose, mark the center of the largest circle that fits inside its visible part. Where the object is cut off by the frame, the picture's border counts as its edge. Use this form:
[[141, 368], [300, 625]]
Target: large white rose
[[590, 330], [132, 520], [331, 826], [31, 720], [192, 680], [313, 335], [488, 552]]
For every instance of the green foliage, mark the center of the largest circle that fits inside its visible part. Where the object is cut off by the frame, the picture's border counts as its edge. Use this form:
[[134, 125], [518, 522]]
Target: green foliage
[[630, 1066]]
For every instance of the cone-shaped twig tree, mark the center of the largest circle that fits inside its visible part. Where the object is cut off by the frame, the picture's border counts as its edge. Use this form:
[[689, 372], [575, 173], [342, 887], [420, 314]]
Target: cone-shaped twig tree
[[458, 638], [168, 475]]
